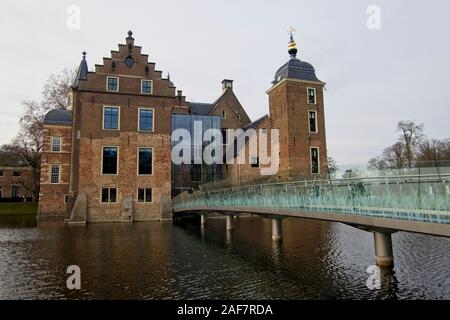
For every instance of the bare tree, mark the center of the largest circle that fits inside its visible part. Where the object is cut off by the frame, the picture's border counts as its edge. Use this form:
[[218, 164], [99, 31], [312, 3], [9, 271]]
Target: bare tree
[[331, 167], [433, 150], [27, 145], [56, 90], [393, 157], [411, 134]]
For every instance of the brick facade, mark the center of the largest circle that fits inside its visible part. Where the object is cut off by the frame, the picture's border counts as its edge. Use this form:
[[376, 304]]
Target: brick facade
[[80, 192], [22, 184]]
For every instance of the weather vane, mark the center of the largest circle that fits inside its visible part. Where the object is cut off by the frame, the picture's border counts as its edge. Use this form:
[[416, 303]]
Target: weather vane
[[291, 30]]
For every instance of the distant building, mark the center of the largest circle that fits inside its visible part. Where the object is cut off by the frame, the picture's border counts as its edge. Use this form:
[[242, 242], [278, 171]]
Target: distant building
[[16, 180], [108, 158]]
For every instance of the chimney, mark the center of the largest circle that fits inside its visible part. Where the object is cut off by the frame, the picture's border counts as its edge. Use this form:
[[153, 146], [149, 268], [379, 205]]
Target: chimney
[[227, 84], [180, 93]]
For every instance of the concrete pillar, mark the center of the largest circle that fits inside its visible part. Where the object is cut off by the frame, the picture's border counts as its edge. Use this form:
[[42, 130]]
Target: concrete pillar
[[230, 223], [383, 249], [203, 219], [277, 234]]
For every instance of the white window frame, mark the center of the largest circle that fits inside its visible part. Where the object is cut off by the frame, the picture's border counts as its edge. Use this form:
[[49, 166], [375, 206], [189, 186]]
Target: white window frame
[[139, 120], [109, 196], [318, 160], [118, 83], [51, 173], [60, 144], [315, 95], [12, 188], [317, 124], [224, 114], [144, 202], [142, 86], [118, 162], [103, 118], [153, 162]]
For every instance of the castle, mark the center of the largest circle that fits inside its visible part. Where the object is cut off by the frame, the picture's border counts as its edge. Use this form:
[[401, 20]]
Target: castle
[[108, 157]]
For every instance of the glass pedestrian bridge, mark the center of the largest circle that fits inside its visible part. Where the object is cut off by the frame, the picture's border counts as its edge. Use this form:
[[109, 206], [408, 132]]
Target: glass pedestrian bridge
[[417, 194], [378, 201]]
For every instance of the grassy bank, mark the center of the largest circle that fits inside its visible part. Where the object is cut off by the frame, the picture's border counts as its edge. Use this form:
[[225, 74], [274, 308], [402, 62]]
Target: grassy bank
[[18, 209]]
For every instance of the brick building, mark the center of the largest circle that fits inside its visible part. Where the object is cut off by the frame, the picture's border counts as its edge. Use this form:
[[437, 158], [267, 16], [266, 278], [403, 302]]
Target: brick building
[[108, 158], [17, 181]]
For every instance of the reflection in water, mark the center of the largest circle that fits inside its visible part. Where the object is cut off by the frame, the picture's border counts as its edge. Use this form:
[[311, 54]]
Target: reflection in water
[[316, 260]]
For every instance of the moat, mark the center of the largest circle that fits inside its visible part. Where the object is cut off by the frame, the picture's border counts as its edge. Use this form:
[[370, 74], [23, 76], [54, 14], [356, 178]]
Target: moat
[[317, 260]]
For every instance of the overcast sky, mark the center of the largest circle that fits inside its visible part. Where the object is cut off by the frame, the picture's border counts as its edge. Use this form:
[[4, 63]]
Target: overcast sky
[[374, 77]]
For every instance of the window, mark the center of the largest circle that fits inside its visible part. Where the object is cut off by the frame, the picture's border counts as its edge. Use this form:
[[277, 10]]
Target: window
[[196, 172], [314, 160], [255, 162], [111, 117], [1, 173], [109, 163], [264, 130], [16, 173], [56, 144], [112, 84], [1, 192], [109, 195], [146, 86], [224, 136], [311, 95], [66, 199], [146, 120], [145, 161], [145, 195], [15, 192], [312, 121], [224, 114], [54, 175]]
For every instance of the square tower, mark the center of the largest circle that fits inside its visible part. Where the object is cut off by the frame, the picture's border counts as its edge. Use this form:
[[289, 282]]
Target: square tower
[[296, 104]]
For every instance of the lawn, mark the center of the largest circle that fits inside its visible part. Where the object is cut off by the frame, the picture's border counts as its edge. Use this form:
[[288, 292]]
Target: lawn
[[18, 209]]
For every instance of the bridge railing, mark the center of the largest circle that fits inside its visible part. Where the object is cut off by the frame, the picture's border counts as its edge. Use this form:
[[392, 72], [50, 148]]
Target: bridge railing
[[396, 194]]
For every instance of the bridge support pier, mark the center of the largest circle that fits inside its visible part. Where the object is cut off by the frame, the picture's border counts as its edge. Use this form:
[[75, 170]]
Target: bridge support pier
[[383, 249], [203, 219], [277, 234], [230, 223]]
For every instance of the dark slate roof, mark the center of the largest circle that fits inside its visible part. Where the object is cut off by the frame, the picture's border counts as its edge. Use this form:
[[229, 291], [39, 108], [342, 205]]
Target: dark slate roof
[[237, 149], [82, 72], [255, 124], [296, 69], [59, 117], [201, 109], [8, 159]]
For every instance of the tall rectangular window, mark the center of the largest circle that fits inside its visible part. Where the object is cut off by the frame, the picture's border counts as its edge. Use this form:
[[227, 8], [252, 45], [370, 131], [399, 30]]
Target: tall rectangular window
[[111, 117], [112, 84], [1, 173], [313, 121], [311, 95], [224, 114], [224, 136], [314, 160], [146, 120], [145, 195], [145, 161], [15, 192], [16, 173], [54, 174], [196, 172], [110, 159], [56, 144], [146, 86], [109, 195]]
